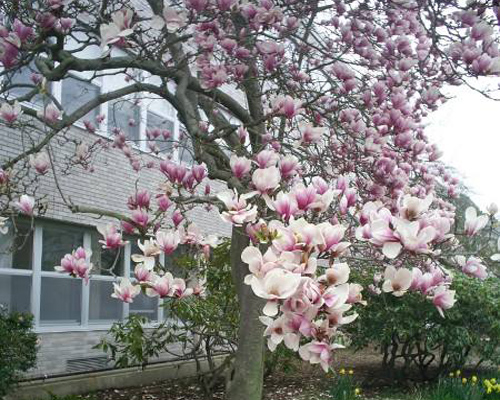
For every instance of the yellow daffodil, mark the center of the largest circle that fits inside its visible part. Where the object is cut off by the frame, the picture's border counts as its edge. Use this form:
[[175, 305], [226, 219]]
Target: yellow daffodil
[[464, 380], [351, 372], [342, 371]]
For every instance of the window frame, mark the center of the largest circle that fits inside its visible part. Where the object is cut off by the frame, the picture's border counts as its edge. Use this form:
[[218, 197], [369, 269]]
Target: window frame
[[36, 274]]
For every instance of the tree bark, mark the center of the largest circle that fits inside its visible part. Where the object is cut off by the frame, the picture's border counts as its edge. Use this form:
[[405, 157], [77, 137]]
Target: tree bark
[[247, 379]]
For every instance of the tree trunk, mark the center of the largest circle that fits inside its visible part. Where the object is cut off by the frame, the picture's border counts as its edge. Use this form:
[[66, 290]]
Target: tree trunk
[[247, 379]]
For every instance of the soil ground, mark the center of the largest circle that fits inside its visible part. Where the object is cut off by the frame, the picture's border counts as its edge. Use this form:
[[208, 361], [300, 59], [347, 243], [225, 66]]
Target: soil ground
[[306, 382]]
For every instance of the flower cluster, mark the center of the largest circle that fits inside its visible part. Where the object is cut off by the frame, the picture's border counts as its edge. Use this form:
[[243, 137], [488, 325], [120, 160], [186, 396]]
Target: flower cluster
[[76, 264]]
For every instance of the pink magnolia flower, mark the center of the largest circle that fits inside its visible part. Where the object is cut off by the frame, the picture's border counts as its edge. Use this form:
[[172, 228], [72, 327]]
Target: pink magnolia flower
[[76, 264], [140, 217], [177, 218], [125, 290], [414, 207], [311, 134], [266, 180], [267, 158], [277, 284], [40, 162], [337, 274], [115, 32], [163, 202], [161, 286], [305, 196], [474, 223], [287, 106], [398, 281], [143, 274], [332, 236], [180, 289], [141, 199], [284, 205], [199, 172], [472, 267], [26, 204], [279, 331], [443, 299], [240, 166], [355, 295], [112, 238], [288, 166], [50, 113], [168, 241], [149, 251], [317, 352], [173, 19], [238, 211], [10, 113]]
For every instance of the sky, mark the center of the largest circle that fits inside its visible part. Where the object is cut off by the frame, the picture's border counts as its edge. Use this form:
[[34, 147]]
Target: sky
[[467, 131]]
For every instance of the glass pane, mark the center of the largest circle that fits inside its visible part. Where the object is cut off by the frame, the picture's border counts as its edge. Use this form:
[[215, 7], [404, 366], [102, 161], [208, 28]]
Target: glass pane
[[16, 247], [172, 263], [154, 121], [76, 93], [106, 261], [120, 114], [15, 292], [22, 251], [58, 241], [185, 148], [60, 301], [22, 76], [146, 306], [103, 307]]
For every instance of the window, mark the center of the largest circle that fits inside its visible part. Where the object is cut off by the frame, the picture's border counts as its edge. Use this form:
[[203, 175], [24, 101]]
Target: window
[[107, 262], [164, 144], [15, 292], [145, 306], [60, 301], [22, 76], [76, 93], [185, 148], [125, 115], [59, 240], [103, 307]]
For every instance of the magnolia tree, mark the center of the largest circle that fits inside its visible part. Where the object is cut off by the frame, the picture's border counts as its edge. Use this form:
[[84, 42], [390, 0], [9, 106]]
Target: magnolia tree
[[311, 113]]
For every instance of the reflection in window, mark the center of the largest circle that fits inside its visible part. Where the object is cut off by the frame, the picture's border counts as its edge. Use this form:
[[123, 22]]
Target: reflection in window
[[15, 293], [76, 93], [58, 241], [125, 115], [185, 148], [106, 261], [145, 306], [16, 247], [22, 77], [60, 301], [103, 307], [163, 143]]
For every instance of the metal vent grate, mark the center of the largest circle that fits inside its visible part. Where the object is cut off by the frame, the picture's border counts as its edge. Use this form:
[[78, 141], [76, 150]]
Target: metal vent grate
[[86, 364]]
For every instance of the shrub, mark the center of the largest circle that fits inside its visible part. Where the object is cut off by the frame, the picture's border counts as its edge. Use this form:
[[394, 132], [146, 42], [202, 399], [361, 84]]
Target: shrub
[[18, 348], [410, 333]]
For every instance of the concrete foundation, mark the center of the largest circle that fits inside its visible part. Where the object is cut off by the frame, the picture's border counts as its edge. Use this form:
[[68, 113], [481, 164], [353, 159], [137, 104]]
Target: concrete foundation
[[41, 389]]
